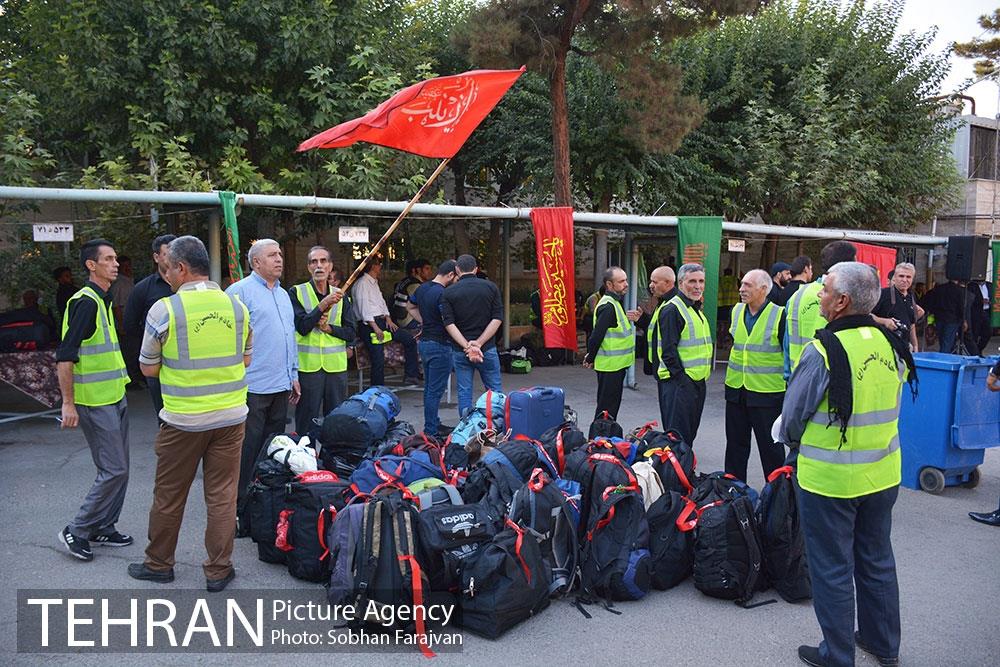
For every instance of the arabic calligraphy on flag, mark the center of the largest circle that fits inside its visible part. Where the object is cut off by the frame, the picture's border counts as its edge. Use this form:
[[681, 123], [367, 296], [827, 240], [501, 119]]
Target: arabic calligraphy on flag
[[556, 275], [432, 118]]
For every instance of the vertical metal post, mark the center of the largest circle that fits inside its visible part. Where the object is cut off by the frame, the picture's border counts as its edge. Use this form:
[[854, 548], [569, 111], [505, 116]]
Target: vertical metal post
[[600, 255], [507, 224], [632, 299], [214, 247]]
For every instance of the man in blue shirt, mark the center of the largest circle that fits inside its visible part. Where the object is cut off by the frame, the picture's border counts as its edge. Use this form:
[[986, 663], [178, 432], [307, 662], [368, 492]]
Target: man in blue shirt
[[434, 344], [273, 374]]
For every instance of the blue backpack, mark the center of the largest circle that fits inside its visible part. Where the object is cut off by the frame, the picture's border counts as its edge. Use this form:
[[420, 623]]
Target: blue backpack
[[396, 470], [488, 413]]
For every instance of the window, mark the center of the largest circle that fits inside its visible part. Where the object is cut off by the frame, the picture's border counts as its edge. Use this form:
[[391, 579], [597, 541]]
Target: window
[[982, 152]]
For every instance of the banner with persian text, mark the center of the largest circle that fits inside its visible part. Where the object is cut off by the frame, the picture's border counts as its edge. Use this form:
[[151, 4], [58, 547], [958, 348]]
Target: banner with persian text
[[699, 240], [556, 275]]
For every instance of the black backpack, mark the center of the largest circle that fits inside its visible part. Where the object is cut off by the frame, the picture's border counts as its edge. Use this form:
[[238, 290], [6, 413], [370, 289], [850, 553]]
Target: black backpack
[[672, 459], [450, 534], [781, 536], [311, 504], [561, 441], [543, 508], [396, 431], [262, 507], [614, 546], [671, 546], [728, 561], [504, 583], [499, 474], [390, 566], [605, 427], [354, 426]]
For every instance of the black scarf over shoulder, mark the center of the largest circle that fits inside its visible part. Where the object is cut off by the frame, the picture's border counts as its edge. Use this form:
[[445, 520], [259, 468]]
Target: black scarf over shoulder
[[840, 396]]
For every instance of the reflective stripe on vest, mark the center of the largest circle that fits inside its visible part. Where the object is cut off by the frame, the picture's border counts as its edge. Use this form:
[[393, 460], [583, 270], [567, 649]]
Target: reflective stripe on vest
[[202, 357], [803, 320], [654, 345], [617, 350], [99, 377], [319, 350], [868, 460], [695, 345], [756, 361]]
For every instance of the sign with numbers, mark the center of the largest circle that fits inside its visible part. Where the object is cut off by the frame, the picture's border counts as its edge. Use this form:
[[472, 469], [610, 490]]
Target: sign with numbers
[[353, 234], [59, 232]]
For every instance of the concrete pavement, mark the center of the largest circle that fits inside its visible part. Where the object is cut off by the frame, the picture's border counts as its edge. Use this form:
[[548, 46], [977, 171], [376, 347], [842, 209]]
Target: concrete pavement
[[947, 564]]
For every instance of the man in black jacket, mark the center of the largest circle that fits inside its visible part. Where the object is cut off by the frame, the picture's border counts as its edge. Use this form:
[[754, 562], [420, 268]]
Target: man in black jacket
[[611, 345]]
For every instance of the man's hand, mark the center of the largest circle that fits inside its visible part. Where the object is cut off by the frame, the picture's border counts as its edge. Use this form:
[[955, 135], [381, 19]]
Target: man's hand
[[993, 382], [70, 418], [390, 325], [296, 393], [634, 314], [377, 331]]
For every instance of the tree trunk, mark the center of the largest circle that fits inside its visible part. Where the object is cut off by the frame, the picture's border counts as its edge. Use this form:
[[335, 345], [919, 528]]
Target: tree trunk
[[493, 254], [462, 242], [560, 134]]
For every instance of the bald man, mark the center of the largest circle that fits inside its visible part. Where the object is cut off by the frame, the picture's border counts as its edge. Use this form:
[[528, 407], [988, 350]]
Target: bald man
[[755, 384]]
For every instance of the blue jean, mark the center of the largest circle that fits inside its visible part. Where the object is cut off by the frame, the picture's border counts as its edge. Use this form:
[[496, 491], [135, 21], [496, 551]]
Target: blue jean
[[848, 545], [489, 372], [948, 335], [436, 358], [376, 352]]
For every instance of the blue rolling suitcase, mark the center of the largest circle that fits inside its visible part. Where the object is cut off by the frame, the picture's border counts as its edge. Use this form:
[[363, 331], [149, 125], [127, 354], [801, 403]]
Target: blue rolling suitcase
[[535, 410]]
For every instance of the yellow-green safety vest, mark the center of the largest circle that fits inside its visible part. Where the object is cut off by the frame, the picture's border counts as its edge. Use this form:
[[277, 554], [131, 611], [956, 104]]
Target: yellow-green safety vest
[[756, 361], [869, 460], [99, 377], [617, 350], [695, 345], [653, 344], [803, 319], [319, 350], [202, 359]]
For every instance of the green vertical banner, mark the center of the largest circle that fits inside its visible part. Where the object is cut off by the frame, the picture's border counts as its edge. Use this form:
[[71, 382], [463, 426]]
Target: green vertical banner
[[699, 241], [995, 306], [228, 200]]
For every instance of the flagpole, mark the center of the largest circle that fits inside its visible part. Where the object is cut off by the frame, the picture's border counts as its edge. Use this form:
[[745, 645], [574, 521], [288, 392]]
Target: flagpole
[[385, 237]]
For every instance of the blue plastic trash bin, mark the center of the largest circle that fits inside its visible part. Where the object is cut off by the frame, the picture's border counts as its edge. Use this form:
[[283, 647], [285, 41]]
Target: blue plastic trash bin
[[943, 434]]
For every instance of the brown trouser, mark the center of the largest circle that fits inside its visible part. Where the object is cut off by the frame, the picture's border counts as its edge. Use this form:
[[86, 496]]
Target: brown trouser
[[178, 454]]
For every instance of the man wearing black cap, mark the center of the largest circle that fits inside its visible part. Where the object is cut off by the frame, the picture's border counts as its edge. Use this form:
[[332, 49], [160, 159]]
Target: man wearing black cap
[[780, 275]]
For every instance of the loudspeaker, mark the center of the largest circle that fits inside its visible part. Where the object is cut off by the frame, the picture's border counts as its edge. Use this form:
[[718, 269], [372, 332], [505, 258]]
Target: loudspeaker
[[967, 257]]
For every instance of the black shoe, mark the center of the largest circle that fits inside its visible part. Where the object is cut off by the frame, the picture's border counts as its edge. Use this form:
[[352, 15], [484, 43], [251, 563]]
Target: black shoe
[[219, 585], [77, 546], [810, 655], [115, 539], [882, 660], [140, 571], [444, 430], [989, 518]]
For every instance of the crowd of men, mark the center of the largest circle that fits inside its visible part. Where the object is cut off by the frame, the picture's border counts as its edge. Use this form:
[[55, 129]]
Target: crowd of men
[[224, 367]]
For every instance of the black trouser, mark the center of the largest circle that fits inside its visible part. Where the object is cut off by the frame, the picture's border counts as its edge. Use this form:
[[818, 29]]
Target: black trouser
[[740, 421], [267, 414], [681, 403], [981, 329], [153, 384], [321, 392], [609, 392]]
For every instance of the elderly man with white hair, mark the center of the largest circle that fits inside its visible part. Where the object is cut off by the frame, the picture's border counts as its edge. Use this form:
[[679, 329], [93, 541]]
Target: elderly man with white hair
[[273, 374], [755, 383], [841, 412]]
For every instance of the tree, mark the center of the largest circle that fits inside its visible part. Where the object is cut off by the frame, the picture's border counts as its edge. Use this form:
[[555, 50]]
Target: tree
[[987, 50], [819, 116], [621, 36]]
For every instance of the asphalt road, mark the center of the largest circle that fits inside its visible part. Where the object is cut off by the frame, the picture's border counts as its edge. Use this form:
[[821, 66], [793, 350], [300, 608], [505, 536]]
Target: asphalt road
[[947, 564]]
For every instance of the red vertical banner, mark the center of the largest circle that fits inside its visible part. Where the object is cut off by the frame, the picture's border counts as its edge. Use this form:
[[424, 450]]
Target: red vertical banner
[[556, 275], [882, 258]]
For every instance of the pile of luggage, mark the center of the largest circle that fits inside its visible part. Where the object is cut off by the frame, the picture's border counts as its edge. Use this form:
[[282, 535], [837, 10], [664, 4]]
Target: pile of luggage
[[517, 507]]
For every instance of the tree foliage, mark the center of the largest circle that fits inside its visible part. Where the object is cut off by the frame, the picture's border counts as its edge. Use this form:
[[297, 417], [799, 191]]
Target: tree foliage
[[986, 49], [621, 36], [818, 115]]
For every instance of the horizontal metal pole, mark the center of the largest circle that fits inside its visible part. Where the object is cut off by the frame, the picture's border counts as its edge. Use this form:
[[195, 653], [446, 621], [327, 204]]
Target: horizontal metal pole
[[373, 206]]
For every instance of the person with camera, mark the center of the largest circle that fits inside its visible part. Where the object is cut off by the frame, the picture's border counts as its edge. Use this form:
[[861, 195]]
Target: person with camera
[[896, 310]]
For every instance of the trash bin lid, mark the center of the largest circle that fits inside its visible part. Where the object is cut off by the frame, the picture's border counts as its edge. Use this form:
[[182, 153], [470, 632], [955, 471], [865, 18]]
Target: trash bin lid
[[945, 362]]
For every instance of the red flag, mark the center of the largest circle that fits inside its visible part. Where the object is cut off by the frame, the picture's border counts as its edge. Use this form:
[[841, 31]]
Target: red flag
[[556, 275], [882, 258], [432, 118]]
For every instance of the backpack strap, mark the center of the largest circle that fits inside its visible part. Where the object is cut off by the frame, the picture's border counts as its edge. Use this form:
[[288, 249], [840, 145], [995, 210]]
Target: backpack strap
[[517, 547], [409, 569], [667, 454], [321, 528], [426, 498], [489, 408], [778, 472], [753, 550]]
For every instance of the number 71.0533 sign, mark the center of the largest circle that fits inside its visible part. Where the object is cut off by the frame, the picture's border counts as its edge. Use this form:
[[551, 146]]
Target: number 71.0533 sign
[[55, 232]]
